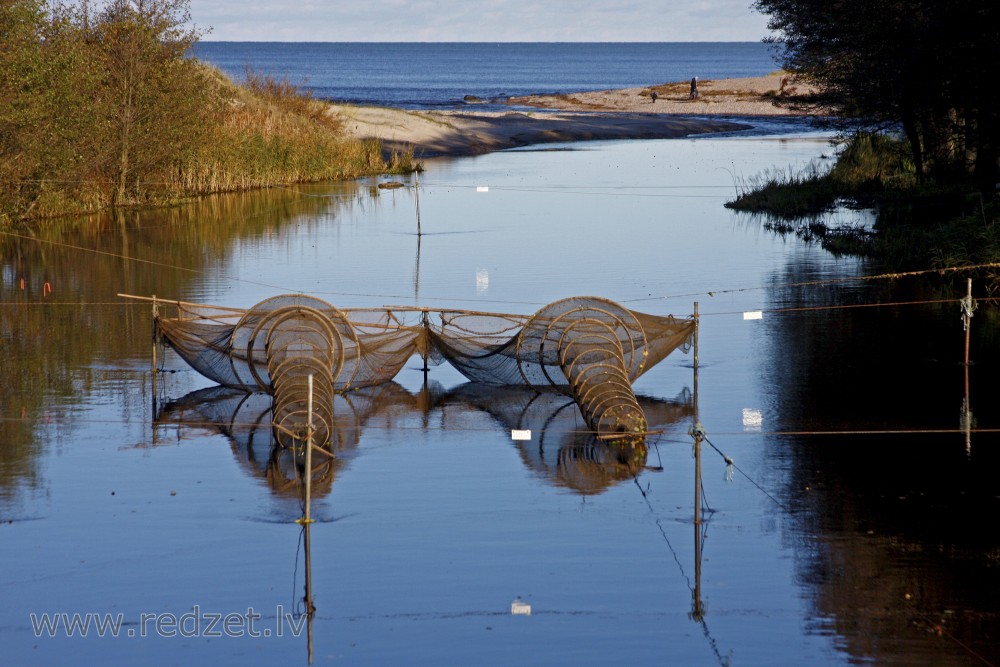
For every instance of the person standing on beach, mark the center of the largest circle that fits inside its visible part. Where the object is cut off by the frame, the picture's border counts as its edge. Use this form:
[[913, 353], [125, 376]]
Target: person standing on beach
[[694, 88]]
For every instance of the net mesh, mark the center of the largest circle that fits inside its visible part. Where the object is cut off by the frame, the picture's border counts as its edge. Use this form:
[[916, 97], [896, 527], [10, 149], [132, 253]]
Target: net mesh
[[589, 348]]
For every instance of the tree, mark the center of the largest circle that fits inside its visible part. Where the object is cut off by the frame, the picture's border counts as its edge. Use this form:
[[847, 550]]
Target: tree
[[926, 66], [98, 106], [152, 103], [43, 94]]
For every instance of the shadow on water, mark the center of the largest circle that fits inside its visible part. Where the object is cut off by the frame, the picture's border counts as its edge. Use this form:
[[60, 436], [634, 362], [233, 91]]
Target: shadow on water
[[901, 556]]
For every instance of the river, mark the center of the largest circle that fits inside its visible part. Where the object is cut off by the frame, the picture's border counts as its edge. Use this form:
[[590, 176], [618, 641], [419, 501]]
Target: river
[[856, 527]]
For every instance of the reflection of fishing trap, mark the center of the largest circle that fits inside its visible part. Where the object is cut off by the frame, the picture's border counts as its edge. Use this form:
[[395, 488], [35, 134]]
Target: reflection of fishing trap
[[245, 419], [565, 452], [589, 348]]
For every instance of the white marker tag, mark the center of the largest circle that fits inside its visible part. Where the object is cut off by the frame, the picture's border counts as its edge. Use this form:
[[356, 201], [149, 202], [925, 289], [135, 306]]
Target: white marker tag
[[519, 608], [753, 420], [753, 315], [518, 434], [482, 188]]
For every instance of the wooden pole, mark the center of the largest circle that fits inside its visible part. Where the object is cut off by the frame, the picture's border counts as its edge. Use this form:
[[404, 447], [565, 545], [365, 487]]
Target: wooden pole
[[307, 519], [967, 315], [309, 443], [155, 314], [697, 611], [697, 325], [310, 609], [416, 194], [424, 320], [967, 406], [696, 431], [156, 337]]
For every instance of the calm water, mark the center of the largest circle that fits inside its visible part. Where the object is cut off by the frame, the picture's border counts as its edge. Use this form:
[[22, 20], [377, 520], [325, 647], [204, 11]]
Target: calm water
[[865, 548], [434, 75]]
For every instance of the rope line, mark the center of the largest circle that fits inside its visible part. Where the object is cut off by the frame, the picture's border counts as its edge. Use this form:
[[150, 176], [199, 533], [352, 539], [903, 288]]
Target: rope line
[[886, 304], [730, 463], [659, 524], [140, 261], [663, 532], [828, 281], [712, 293], [463, 429], [798, 309], [939, 627]]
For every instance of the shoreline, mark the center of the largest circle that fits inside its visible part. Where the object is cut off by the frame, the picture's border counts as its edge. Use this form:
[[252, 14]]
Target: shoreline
[[629, 113]]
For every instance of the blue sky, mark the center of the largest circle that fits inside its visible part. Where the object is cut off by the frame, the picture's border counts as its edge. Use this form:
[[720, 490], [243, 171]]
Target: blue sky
[[479, 20]]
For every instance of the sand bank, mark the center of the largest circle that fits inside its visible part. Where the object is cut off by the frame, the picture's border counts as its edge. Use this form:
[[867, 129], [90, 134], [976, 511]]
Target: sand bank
[[613, 114]]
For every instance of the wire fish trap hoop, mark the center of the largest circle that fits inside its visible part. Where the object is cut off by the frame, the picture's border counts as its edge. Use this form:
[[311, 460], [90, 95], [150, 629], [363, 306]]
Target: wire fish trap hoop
[[599, 347], [288, 321], [290, 339]]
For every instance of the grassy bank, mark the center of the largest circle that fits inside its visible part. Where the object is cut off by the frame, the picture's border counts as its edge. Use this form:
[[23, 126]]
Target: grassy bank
[[105, 108], [268, 132], [919, 223], [258, 134]]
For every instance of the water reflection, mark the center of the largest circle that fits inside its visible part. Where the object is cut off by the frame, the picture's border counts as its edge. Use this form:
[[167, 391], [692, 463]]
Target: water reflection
[[895, 554], [900, 560], [562, 450], [245, 419], [59, 314]]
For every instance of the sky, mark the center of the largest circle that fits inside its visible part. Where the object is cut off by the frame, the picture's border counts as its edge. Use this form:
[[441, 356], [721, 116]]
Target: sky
[[479, 20]]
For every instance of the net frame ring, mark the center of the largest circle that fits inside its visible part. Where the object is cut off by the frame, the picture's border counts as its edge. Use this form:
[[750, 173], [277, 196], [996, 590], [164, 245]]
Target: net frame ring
[[556, 311], [264, 310], [323, 360], [588, 341], [249, 321], [292, 431], [285, 313], [306, 332]]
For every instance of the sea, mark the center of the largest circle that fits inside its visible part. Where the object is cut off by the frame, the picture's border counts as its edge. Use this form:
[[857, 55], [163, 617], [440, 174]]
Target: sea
[[439, 75]]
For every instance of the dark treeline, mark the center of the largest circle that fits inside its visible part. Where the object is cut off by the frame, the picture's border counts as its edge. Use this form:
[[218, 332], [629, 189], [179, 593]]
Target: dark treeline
[[926, 66], [102, 105]]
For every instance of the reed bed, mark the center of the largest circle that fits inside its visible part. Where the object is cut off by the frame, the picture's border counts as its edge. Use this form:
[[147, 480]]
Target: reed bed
[[261, 133]]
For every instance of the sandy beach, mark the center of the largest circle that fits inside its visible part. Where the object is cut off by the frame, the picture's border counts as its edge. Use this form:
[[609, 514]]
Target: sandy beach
[[629, 113]]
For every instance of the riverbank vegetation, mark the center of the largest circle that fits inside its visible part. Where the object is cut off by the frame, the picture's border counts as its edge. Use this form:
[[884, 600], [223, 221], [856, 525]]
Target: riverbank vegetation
[[919, 117], [919, 222], [104, 106]]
